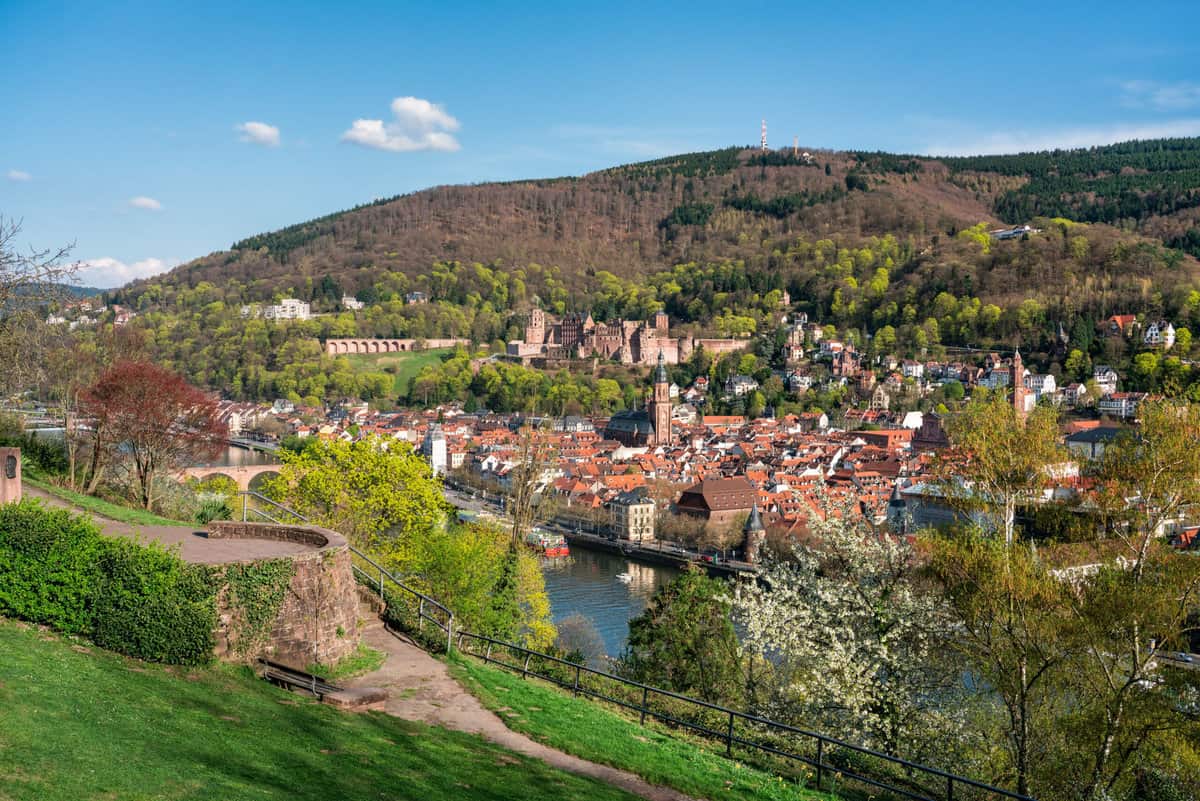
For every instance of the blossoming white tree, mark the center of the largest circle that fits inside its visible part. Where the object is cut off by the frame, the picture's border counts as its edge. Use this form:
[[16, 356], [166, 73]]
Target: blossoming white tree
[[853, 640]]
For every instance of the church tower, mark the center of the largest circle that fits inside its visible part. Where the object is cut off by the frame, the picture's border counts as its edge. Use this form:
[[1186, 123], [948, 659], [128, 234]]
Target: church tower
[[660, 406], [1017, 379]]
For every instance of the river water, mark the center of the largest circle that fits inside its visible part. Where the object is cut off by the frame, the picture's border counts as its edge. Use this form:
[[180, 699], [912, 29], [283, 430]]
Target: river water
[[586, 583], [233, 456]]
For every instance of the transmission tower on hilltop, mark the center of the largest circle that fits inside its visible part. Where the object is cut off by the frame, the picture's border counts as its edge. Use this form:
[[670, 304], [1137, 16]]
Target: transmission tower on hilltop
[[764, 136]]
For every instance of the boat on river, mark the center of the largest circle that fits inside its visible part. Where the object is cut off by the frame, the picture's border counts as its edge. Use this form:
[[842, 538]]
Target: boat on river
[[547, 543]]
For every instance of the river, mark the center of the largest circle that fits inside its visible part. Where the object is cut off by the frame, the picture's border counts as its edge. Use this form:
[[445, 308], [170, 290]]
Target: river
[[586, 583], [235, 456]]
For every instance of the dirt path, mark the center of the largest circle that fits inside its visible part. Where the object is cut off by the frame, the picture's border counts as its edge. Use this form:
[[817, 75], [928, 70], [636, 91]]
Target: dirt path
[[422, 689], [193, 542]]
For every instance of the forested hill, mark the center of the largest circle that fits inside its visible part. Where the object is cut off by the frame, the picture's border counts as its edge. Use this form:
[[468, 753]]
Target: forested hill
[[716, 205]]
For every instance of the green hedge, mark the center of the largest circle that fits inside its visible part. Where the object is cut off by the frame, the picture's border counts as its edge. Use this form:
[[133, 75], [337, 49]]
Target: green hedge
[[140, 600]]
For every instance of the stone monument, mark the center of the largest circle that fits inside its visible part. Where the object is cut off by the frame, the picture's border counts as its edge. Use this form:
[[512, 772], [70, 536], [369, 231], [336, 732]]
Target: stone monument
[[10, 475]]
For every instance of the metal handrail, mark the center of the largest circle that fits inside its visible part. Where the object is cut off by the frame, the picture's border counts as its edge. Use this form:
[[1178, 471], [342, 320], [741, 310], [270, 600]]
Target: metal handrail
[[729, 736], [246, 495], [423, 601]]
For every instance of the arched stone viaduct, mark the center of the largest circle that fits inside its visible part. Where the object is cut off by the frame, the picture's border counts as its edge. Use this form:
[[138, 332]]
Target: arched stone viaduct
[[337, 347], [242, 476]]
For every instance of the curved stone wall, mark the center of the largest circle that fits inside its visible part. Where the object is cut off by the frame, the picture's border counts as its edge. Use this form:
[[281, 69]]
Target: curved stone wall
[[318, 620]]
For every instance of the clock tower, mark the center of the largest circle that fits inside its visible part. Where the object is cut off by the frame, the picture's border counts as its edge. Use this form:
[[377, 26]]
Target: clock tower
[[660, 405]]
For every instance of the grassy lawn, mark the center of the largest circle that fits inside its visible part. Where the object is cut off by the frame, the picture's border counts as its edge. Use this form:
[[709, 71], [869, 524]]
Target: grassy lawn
[[101, 507], [364, 660], [407, 364], [77, 722], [585, 729]]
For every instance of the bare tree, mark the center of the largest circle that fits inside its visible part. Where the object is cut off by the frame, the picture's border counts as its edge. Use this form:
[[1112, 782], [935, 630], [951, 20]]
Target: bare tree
[[33, 277], [534, 457], [28, 280]]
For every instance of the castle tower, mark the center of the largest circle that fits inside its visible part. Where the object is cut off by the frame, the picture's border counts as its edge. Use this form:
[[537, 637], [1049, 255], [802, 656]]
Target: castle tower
[[660, 406], [1017, 379], [756, 534], [535, 329]]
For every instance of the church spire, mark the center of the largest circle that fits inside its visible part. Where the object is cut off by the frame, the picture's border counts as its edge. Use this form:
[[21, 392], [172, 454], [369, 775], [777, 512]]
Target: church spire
[[660, 373]]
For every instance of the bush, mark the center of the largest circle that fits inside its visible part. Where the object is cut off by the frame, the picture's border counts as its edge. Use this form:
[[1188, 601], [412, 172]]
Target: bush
[[214, 507], [49, 566], [139, 600], [152, 605]]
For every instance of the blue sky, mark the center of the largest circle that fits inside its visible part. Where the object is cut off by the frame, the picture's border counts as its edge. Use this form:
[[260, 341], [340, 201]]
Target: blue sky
[[122, 134]]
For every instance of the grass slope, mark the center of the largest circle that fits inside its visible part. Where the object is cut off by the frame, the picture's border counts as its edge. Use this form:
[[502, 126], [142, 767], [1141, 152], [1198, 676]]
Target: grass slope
[[81, 723], [101, 507], [583, 728], [407, 365]]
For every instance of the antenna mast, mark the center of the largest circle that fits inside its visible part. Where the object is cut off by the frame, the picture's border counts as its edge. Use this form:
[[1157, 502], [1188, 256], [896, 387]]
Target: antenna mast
[[764, 136], [795, 144]]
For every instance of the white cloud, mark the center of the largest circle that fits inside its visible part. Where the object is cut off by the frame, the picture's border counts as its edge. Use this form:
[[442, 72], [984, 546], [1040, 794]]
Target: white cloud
[[258, 133], [143, 202], [1027, 141], [417, 125], [109, 272], [19, 175], [1161, 96]]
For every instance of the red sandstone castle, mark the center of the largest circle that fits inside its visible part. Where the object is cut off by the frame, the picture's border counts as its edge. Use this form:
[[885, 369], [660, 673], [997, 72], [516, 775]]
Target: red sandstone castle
[[627, 341]]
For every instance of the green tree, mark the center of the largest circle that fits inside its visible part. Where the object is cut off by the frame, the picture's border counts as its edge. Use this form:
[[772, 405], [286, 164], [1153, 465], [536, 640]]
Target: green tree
[[684, 640], [997, 460], [1012, 614], [379, 494]]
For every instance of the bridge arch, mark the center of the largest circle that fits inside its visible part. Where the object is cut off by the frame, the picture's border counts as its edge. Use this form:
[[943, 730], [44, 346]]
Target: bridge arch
[[242, 476]]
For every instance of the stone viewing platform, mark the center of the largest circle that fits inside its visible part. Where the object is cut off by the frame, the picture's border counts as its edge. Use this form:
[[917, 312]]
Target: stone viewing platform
[[319, 614]]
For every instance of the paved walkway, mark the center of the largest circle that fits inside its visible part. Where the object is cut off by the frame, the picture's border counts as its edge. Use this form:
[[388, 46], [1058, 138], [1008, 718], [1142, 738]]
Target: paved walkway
[[422, 689], [193, 542]]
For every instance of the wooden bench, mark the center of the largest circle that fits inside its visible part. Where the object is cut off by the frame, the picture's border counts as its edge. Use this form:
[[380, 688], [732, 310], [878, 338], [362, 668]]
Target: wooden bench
[[354, 698]]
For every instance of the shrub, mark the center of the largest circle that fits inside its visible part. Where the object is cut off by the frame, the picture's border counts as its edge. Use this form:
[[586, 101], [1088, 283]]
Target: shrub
[[152, 605], [213, 507], [48, 566], [140, 600]]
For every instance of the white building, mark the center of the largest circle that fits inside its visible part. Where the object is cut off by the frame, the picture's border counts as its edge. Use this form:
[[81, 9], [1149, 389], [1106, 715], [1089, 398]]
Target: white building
[[1106, 378], [351, 304], [288, 309], [1160, 334], [739, 385], [1040, 385], [1122, 405], [433, 448]]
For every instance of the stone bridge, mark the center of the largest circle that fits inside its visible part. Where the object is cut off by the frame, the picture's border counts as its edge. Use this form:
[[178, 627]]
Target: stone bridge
[[242, 476], [336, 347]]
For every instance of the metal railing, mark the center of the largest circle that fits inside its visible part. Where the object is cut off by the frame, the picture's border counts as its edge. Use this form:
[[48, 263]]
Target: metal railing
[[247, 509], [399, 598], [829, 757]]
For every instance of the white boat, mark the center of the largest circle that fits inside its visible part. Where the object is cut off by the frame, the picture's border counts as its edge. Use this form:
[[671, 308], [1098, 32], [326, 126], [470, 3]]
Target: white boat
[[624, 578]]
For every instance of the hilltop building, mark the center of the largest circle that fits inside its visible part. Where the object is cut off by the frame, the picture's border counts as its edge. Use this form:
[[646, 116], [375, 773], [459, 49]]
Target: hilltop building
[[286, 309], [627, 341]]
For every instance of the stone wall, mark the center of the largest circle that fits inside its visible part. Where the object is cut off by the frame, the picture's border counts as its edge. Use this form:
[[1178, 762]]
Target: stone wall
[[318, 619]]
